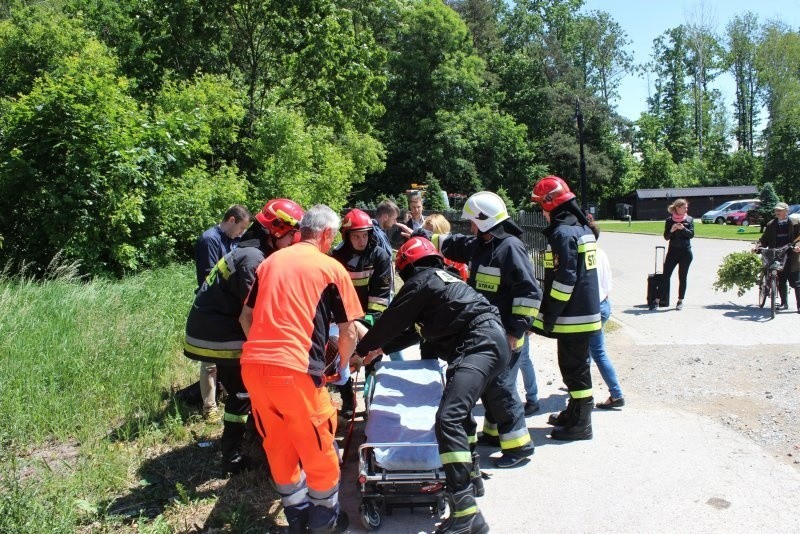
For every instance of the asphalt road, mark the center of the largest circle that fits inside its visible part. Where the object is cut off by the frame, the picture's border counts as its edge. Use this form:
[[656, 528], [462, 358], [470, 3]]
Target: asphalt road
[[649, 468]]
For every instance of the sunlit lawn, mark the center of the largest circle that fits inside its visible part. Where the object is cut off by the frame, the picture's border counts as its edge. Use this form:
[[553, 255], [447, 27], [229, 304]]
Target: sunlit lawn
[[716, 231]]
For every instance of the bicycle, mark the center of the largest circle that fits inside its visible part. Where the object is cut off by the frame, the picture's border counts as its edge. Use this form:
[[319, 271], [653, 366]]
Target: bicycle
[[772, 263]]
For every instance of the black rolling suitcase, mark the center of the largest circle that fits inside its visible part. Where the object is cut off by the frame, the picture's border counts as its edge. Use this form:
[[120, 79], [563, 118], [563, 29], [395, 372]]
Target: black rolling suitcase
[[657, 292]]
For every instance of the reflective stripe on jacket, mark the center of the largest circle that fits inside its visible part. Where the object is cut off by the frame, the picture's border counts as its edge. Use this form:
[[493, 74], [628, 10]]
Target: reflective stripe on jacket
[[213, 332], [571, 302], [501, 270], [371, 273]]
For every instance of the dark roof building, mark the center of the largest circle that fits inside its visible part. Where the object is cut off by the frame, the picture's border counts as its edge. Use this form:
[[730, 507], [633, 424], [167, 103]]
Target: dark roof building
[[651, 204]]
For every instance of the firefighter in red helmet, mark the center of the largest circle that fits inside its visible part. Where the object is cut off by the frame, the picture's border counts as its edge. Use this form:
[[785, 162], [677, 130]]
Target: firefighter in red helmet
[[213, 332], [570, 310], [460, 326], [370, 269]]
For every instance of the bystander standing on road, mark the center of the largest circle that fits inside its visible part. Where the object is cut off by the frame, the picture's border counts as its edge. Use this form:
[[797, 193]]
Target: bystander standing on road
[[679, 231], [597, 341]]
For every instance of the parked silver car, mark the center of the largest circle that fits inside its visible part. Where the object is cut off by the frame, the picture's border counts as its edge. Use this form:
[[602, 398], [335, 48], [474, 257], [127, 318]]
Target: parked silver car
[[718, 214]]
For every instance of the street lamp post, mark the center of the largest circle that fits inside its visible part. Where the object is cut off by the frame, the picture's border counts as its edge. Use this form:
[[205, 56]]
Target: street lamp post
[[579, 118]]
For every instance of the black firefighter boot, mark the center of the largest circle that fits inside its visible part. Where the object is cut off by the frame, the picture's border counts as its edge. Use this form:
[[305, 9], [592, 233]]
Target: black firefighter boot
[[233, 461], [465, 518], [565, 416], [581, 428], [475, 475]]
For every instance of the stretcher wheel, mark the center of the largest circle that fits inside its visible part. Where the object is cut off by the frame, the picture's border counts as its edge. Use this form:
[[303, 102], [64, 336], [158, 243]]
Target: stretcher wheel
[[370, 516]]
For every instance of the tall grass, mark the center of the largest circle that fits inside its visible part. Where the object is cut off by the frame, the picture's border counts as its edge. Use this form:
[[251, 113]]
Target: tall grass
[[86, 366]]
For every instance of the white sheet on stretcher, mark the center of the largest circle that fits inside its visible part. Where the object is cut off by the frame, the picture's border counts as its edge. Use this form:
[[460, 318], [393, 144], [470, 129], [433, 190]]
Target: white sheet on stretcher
[[403, 410]]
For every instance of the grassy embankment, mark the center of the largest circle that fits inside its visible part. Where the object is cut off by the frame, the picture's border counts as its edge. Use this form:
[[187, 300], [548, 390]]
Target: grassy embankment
[[88, 371]]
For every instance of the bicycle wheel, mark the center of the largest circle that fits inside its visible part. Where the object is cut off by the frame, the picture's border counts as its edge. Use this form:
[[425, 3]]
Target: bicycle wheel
[[773, 292], [762, 292]]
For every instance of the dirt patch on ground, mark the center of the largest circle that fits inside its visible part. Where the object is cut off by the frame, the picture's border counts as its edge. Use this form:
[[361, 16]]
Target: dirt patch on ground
[[56, 457]]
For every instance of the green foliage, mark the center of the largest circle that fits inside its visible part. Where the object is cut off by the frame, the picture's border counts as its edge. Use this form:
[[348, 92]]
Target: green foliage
[[35, 41], [768, 199], [433, 195], [185, 206], [739, 270], [742, 34], [502, 193], [402, 201], [309, 164], [742, 168], [433, 70], [479, 148], [658, 168], [70, 150]]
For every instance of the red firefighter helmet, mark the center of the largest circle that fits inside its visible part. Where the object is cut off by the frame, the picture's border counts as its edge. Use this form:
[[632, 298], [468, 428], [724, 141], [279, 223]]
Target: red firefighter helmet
[[414, 250], [355, 220], [279, 216], [551, 192]]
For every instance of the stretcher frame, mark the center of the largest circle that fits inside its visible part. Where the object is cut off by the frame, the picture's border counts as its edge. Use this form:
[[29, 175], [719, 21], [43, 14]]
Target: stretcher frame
[[383, 489]]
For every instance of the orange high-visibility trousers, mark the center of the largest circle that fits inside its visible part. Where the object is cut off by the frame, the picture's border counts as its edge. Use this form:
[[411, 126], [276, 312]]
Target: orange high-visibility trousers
[[300, 425]]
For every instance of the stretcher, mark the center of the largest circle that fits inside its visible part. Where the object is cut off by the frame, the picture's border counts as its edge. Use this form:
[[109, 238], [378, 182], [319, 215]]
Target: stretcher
[[399, 465]]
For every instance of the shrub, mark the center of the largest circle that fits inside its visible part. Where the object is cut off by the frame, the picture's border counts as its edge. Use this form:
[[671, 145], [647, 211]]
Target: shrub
[[738, 269]]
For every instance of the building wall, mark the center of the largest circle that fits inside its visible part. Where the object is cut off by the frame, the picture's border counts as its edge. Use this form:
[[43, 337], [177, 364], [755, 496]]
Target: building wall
[[652, 209]]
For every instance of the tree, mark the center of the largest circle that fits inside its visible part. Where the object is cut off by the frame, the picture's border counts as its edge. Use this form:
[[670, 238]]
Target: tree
[[703, 53], [433, 69], [670, 103], [480, 148], [34, 41], [742, 34], [481, 19], [768, 198], [777, 57], [434, 200], [601, 55]]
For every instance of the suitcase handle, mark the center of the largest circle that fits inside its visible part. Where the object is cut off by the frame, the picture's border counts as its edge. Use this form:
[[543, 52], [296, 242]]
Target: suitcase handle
[[663, 259]]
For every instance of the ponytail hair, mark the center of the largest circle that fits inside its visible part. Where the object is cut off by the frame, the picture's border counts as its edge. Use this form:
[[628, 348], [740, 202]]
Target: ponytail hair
[[677, 204]]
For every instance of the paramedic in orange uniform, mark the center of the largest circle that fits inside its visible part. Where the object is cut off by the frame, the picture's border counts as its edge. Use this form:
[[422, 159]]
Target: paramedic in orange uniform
[[286, 318]]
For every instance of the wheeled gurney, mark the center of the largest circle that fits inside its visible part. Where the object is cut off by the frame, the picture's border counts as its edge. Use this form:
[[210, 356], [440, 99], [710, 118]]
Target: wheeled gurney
[[399, 465]]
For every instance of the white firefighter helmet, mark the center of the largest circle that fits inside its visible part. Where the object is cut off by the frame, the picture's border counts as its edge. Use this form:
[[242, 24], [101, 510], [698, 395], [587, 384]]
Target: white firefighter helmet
[[485, 209]]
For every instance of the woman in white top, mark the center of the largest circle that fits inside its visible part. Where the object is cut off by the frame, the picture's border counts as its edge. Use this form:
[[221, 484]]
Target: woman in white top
[[597, 342]]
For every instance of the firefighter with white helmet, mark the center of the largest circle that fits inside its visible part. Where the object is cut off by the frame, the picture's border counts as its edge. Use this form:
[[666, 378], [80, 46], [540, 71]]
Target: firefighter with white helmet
[[570, 310], [500, 269], [213, 332]]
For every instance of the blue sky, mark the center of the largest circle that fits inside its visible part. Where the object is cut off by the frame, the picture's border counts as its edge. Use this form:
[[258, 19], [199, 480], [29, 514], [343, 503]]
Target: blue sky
[[644, 20]]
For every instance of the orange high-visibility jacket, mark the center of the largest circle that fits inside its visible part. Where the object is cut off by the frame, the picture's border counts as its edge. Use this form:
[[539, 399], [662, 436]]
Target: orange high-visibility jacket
[[297, 292]]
